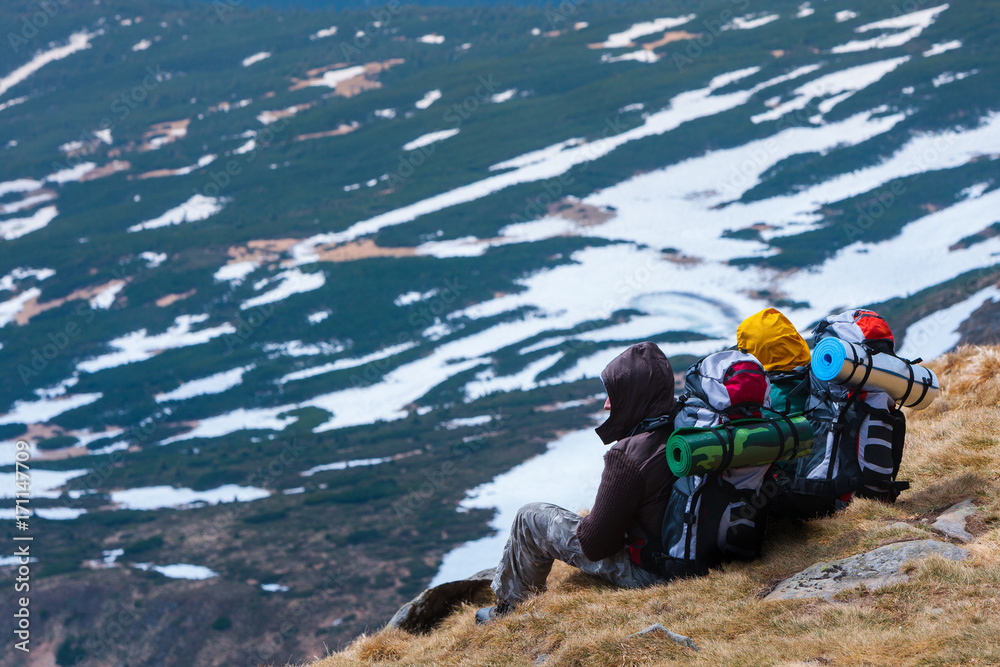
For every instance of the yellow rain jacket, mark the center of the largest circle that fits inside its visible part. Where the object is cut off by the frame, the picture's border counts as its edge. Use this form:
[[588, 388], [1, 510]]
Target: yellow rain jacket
[[771, 338]]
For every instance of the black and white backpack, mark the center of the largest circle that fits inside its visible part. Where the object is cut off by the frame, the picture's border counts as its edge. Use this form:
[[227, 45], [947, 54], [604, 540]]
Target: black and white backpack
[[859, 435], [712, 518]]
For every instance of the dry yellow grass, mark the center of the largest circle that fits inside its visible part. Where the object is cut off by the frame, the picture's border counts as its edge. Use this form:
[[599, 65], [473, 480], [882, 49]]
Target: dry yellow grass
[[948, 614]]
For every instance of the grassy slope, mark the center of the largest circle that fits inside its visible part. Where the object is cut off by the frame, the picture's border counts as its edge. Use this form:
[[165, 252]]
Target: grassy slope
[[947, 614]]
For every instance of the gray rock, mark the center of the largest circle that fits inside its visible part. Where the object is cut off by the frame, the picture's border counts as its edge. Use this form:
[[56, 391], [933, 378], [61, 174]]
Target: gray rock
[[875, 569], [901, 525], [428, 609], [657, 629], [952, 522]]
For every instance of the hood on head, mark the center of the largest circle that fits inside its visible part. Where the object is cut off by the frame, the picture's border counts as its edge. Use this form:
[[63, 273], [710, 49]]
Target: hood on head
[[775, 342], [640, 384]]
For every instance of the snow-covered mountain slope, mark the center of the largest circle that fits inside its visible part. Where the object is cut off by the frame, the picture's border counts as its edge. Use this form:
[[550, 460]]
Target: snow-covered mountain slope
[[225, 230], [889, 94]]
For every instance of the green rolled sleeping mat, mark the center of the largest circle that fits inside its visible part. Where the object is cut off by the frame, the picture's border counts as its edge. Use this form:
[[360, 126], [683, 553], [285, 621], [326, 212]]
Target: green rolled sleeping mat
[[746, 442]]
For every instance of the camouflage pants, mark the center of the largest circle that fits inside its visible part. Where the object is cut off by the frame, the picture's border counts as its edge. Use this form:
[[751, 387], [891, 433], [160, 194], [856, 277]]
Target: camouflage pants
[[543, 533]]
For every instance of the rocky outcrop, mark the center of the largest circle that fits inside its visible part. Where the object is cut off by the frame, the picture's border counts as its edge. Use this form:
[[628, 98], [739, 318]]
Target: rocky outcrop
[[874, 569], [657, 629], [426, 611], [952, 522]]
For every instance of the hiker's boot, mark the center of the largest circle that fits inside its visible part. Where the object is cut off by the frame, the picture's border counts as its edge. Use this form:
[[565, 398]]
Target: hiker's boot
[[489, 614]]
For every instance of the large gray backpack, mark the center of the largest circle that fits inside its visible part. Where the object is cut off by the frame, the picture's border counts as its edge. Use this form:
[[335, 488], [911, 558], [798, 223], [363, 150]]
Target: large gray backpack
[[712, 518]]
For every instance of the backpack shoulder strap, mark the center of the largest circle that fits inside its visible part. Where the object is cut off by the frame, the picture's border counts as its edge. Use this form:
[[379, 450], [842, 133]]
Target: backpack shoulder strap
[[662, 421]]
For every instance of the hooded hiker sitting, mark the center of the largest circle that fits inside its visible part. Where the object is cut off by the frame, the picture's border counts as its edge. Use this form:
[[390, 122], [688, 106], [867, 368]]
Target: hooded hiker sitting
[[619, 538]]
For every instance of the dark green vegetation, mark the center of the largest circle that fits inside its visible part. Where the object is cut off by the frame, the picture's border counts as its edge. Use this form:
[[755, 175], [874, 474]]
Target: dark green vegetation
[[353, 544]]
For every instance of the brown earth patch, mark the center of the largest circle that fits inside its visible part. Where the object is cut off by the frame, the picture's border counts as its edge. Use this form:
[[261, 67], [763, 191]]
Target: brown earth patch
[[160, 134], [170, 299], [580, 213], [349, 87], [268, 117], [61, 454], [343, 129], [112, 167], [38, 432], [262, 251], [672, 36], [678, 258], [364, 249], [34, 306]]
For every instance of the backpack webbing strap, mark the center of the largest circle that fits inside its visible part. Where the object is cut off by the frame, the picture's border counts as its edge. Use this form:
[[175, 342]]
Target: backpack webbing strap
[[804, 384], [691, 517], [909, 385], [869, 366], [781, 436], [838, 426]]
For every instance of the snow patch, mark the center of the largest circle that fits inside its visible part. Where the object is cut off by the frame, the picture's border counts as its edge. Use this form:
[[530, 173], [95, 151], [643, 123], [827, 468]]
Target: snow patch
[[179, 571], [139, 346], [43, 482], [625, 38], [640, 56], [256, 58], [944, 47], [198, 207], [849, 80], [579, 458], [77, 42], [160, 497], [428, 99], [342, 364], [750, 21], [429, 138], [293, 281], [153, 259], [15, 228], [213, 384], [500, 98], [938, 333], [912, 25], [325, 32]]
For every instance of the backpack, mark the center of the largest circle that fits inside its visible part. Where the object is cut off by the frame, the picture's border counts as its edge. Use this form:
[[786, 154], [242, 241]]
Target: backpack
[[712, 518], [859, 435]]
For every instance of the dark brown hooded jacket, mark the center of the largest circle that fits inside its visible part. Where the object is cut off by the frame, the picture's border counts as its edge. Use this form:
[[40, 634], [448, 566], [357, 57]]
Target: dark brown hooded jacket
[[635, 484]]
